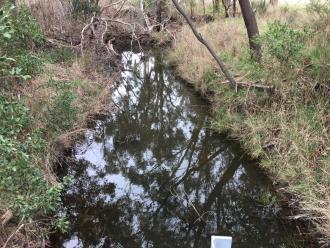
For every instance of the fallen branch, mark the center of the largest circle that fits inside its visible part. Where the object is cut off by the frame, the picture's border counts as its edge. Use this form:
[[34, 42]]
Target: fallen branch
[[255, 86], [58, 43]]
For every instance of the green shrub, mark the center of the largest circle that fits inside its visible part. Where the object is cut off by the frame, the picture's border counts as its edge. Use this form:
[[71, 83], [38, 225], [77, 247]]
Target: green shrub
[[19, 30], [19, 34], [283, 42], [14, 117], [62, 113], [58, 55], [22, 184], [29, 64]]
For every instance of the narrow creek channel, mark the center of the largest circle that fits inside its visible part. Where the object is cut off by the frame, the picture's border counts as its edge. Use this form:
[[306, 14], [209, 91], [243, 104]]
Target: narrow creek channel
[[152, 174]]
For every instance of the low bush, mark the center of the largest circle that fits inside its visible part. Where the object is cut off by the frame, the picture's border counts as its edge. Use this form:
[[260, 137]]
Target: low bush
[[22, 184], [62, 113], [283, 43]]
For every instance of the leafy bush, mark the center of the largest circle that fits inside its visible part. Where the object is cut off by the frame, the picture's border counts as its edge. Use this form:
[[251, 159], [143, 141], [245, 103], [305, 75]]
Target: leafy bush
[[58, 55], [19, 33], [283, 43], [21, 182], [62, 113], [19, 30]]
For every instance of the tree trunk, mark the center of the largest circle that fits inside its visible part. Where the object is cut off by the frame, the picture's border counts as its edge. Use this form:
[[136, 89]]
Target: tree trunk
[[204, 7], [191, 8], [216, 6], [226, 5], [234, 8], [159, 15], [251, 27]]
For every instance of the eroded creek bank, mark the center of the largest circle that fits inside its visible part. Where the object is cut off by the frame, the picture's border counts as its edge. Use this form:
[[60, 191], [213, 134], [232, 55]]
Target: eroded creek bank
[[152, 174]]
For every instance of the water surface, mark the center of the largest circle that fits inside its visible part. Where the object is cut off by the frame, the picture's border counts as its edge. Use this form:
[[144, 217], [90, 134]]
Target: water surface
[[154, 175]]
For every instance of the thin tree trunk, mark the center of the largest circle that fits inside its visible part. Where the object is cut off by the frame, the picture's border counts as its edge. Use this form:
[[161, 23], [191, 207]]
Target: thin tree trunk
[[145, 16], [159, 15], [226, 6], [216, 6], [222, 66], [204, 7], [251, 27], [234, 8]]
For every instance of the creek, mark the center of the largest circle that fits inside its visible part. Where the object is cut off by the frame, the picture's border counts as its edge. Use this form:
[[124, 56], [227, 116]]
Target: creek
[[153, 174]]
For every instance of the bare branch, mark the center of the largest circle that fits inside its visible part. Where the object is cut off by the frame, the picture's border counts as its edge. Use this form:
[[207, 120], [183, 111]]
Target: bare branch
[[222, 66]]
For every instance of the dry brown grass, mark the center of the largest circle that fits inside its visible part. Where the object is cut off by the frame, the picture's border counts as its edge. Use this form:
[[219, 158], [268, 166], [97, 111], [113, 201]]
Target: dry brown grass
[[54, 18], [49, 13], [90, 86], [192, 58]]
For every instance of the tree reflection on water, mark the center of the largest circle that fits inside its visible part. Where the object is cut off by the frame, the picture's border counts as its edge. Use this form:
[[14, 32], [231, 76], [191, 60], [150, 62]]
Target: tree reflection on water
[[154, 175]]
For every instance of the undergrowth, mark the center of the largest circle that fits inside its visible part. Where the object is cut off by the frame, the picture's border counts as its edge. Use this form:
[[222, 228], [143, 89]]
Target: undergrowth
[[45, 97]]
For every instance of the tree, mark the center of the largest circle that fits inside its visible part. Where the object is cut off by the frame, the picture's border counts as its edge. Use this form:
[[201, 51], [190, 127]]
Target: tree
[[234, 8], [159, 8], [251, 27], [226, 4], [216, 6]]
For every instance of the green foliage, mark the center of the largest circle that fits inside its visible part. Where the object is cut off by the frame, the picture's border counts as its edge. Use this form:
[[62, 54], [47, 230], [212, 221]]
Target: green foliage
[[209, 76], [21, 181], [58, 55], [61, 223], [14, 118], [260, 7], [29, 64], [283, 42], [19, 33], [320, 55], [62, 113]]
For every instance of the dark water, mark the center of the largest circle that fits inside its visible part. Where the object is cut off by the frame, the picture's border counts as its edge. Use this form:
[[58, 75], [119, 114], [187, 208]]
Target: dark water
[[153, 175]]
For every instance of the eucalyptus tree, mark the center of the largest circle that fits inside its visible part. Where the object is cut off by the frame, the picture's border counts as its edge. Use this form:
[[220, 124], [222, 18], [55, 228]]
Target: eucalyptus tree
[[251, 27]]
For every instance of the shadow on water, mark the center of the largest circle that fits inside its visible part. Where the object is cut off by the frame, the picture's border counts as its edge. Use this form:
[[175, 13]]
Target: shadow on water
[[153, 175]]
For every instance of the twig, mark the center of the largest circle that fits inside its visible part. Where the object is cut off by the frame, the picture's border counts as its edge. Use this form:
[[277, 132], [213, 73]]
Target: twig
[[13, 234]]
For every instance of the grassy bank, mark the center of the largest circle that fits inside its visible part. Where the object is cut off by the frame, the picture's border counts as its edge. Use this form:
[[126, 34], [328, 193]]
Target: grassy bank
[[288, 129], [48, 96]]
